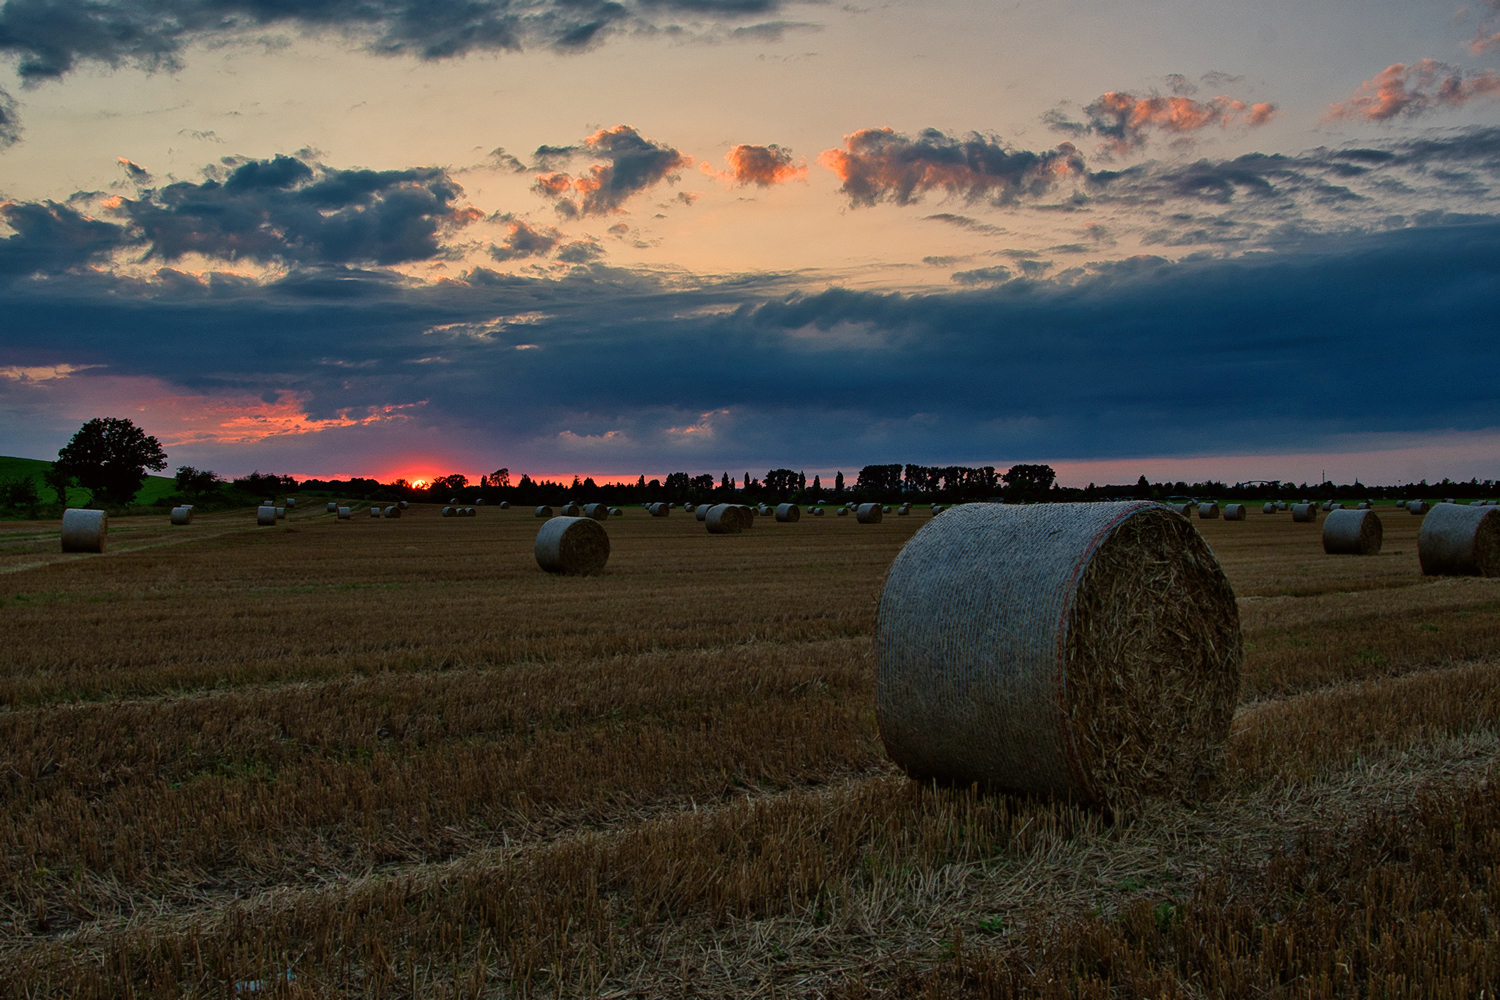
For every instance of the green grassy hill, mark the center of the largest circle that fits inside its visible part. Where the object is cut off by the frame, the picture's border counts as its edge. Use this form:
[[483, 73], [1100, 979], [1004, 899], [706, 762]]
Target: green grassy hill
[[13, 468]]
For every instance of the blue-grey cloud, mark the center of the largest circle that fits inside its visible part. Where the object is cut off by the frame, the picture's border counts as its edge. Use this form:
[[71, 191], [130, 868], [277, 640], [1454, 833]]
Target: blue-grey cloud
[[10, 124]]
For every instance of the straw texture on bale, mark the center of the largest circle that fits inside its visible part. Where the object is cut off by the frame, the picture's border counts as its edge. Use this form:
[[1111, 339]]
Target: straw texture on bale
[[1269, 508], [182, 515], [1352, 533], [265, 516], [1460, 541], [572, 545], [544, 512], [1088, 650], [86, 530], [1234, 512], [788, 512], [597, 511], [393, 511], [344, 513], [727, 519], [1304, 512], [1416, 507], [868, 513], [333, 507], [1208, 511]]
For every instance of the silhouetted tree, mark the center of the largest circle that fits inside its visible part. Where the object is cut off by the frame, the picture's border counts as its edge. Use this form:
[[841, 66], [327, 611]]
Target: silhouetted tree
[[109, 457]]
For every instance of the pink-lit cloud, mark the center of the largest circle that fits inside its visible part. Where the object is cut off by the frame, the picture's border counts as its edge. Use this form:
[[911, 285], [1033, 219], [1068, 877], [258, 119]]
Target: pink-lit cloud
[[1127, 121], [763, 166], [630, 163], [1401, 90]]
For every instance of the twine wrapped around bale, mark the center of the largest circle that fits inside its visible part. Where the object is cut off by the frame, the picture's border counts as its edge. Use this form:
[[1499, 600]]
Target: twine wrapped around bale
[[1269, 508], [333, 507], [1305, 512], [1416, 507], [868, 513], [87, 530], [727, 519], [1208, 511], [265, 516], [788, 512], [1234, 512], [344, 513], [597, 511], [572, 545], [1089, 650], [182, 515], [1352, 533], [1460, 541], [544, 511]]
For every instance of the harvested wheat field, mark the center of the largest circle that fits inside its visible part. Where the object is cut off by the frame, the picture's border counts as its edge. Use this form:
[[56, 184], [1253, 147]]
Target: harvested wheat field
[[393, 758]]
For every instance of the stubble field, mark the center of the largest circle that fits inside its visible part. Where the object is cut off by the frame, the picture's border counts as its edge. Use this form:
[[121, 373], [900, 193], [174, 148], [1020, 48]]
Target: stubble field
[[393, 758]]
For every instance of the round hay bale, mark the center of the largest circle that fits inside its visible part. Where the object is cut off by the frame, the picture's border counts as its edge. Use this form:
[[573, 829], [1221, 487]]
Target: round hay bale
[[817, 512], [575, 546], [477, 503], [333, 507], [1306, 512], [938, 508], [1460, 541], [447, 511], [885, 509], [404, 504], [87, 530], [597, 511], [1208, 511], [659, 509], [1086, 650], [1282, 505], [570, 509], [727, 519], [1401, 504], [505, 505], [1362, 505], [374, 511], [281, 513], [702, 510], [1185, 509], [904, 510], [344, 513], [544, 511], [265, 516], [1352, 533], [689, 508], [868, 513], [842, 512], [291, 502], [473, 511], [788, 512], [393, 511], [182, 515], [1269, 508], [616, 512], [1234, 512], [1416, 507]]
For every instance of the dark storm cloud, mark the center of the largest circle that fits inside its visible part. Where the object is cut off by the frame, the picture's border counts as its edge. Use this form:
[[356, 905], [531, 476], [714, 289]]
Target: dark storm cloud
[[49, 38], [50, 238]]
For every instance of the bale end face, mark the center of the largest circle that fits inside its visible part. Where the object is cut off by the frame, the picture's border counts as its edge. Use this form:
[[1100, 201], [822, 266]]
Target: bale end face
[[1306, 513], [574, 546], [84, 530], [728, 519], [1460, 541], [1352, 533], [788, 512], [1090, 651], [869, 513]]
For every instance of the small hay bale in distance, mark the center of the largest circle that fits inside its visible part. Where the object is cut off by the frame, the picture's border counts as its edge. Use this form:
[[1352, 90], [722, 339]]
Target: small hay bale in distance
[[374, 511], [575, 546], [1185, 509], [403, 505], [544, 511], [333, 507], [597, 511], [658, 509], [868, 513], [788, 512], [886, 509], [265, 516], [1269, 508], [1234, 512], [1416, 507], [1352, 533], [571, 509], [477, 503], [727, 519], [448, 511], [1086, 650], [903, 510], [344, 513], [87, 530], [842, 512], [616, 512], [182, 515], [1283, 505], [1401, 504], [291, 502], [1208, 511], [505, 505], [1305, 512], [701, 512], [281, 513], [817, 512], [393, 511], [1460, 541]]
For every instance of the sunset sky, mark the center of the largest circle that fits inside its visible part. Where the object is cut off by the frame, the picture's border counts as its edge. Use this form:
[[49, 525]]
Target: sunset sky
[[405, 238]]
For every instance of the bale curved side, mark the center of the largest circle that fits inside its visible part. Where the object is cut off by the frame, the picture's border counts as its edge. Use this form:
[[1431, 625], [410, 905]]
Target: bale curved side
[[543, 511], [1086, 650], [344, 513], [333, 507], [727, 519], [598, 511], [1269, 508], [702, 511], [1352, 533], [575, 546], [1305, 512], [868, 513], [1416, 507], [182, 515], [788, 512], [265, 516], [1460, 541], [85, 530], [1234, 512], [1208, 511]]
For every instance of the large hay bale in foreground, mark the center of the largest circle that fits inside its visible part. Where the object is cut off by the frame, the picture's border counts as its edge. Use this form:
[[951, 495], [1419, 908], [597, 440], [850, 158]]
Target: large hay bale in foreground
[[1086, 650], [85, 530], [182, 515], [1305, 512], [788, 512], [572, 545], [1234, 512], [727, 519], [1460, 541], [544, 511], [265, 516], [869, 513], [1352, 533]]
